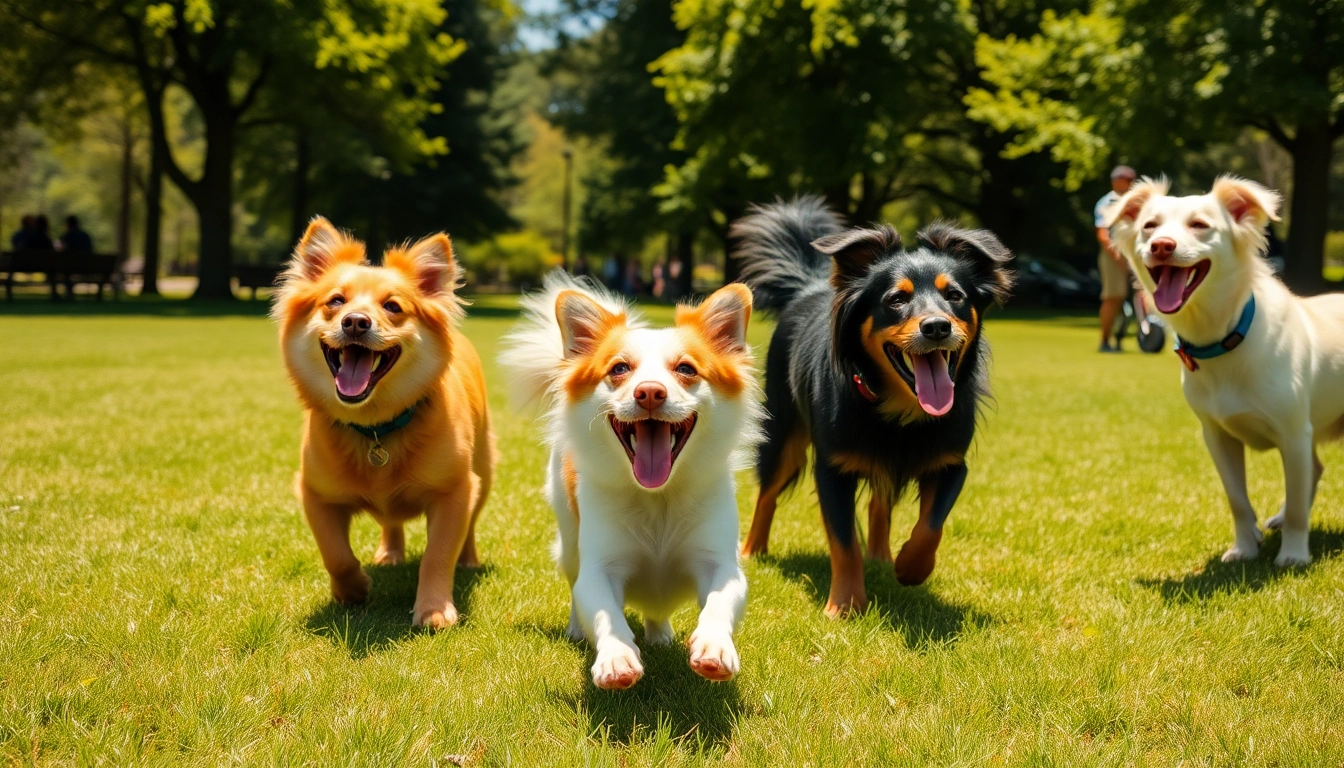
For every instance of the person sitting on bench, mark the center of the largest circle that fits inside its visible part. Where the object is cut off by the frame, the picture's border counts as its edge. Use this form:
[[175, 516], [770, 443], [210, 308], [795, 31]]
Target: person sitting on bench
[[19, 240], [75, 239], [39, 239]]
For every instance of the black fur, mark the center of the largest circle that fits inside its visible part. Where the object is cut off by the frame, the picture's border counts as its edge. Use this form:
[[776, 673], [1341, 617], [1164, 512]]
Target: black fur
[[822, 305]]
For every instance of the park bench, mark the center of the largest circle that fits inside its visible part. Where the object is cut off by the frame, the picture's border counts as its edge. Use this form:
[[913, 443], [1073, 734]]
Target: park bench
[[68, 269], [256, 276], [130, 270]]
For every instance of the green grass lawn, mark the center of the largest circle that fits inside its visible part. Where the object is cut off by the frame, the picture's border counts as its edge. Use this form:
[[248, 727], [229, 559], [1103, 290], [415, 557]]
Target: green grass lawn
[[163, 602]]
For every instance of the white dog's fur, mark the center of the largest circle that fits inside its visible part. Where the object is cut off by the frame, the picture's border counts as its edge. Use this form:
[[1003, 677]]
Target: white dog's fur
[[654, 549], [1283, 387]]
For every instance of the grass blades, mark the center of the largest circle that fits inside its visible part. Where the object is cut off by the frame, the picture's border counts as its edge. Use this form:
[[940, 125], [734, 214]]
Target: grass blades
[[164, 604]]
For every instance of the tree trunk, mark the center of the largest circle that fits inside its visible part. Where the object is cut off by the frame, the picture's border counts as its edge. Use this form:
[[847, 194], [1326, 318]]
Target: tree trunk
[[1312, 152], [838, 197], [732, 269], [213, 196], [685, 253], [299, 223], [124, 211], [149, 285]]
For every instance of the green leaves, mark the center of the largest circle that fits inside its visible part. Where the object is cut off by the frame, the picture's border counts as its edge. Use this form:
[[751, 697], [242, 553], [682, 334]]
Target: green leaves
[[1051, 91]]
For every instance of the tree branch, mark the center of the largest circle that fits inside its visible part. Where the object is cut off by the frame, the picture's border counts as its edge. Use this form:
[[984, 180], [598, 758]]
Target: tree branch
[[74, 40], [153, 89], [1276, 132], [251, 95]]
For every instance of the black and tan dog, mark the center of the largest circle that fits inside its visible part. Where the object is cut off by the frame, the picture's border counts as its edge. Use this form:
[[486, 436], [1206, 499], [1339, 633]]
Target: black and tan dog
[[873, 346]]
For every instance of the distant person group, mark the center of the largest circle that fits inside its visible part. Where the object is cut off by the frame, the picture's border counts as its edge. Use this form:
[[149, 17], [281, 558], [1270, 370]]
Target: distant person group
[[34, 234]]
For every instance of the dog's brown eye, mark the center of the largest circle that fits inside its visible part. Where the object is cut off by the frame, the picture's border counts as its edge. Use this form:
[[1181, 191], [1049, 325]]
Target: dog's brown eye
[[686, 369], [392, 306], [336, 301], [954, 295], [620, 369], [1199, 225], [897, 299], [1150, 226]]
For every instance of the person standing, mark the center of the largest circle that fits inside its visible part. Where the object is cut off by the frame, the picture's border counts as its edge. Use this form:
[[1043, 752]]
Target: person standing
[[75, 239], [1110, 262]]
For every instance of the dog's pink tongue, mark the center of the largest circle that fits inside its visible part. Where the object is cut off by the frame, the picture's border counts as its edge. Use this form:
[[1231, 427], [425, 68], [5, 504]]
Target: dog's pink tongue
[[653, 452], [933, 385], [1170, 293], [356, 367]]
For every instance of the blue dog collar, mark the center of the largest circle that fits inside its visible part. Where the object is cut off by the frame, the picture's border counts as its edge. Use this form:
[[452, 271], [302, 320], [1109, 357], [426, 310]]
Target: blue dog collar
[[378, 455], [1189, 353], [386, 428]]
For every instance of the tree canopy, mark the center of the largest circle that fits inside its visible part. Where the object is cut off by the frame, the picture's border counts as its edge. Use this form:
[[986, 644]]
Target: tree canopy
[[1152, 80], [370, 69]]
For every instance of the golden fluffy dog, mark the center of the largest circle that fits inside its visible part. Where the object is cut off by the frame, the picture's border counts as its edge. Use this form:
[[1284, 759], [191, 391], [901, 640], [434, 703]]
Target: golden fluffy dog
[[396, 421]]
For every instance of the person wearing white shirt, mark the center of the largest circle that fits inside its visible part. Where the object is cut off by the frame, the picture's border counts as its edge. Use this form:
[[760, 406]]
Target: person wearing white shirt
[[1110, 262]]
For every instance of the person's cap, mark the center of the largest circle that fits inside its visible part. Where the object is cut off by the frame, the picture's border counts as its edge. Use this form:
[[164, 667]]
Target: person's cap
[[1123, 172]]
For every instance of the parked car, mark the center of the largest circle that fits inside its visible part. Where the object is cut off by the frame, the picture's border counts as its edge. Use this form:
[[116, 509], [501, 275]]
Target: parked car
[[1054, 283]]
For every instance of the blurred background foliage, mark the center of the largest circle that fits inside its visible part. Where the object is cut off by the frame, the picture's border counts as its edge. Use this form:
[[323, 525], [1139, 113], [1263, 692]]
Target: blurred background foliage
[[202, 134]]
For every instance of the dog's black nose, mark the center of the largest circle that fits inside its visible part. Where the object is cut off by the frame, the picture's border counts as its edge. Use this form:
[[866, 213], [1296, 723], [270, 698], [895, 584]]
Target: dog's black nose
[[935, 328], [356, 323]]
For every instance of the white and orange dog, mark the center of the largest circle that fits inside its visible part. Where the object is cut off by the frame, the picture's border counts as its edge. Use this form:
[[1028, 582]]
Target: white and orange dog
[[646, 426], [1264, 368]]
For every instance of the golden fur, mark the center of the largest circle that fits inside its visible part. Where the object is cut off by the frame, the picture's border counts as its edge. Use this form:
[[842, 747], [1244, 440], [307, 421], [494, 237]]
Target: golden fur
[[441, 463]]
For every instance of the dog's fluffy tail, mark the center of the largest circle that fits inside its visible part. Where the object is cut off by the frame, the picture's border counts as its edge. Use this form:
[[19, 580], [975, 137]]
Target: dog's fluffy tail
[[774, 246], [533, 354]]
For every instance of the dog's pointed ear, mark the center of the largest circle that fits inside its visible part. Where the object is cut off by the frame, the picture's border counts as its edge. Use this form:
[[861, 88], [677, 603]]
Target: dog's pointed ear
[[1121, 218], [854, 251], [987, 255], [583, 322], [1127, 208], [722, 318], [429, 263], [1251, 207], [322, 247], [1246, 201]]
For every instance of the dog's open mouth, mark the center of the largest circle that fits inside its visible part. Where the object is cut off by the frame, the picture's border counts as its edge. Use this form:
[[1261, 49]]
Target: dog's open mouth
[[928, 374], [1175, 284], [652, 446], [358, 369]]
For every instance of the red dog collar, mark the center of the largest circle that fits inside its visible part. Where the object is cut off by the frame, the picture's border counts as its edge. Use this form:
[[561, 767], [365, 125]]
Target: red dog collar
[[863, 388]]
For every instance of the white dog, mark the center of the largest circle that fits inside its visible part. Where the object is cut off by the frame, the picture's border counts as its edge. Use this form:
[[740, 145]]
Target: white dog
[[646, 426], [1264, 368]]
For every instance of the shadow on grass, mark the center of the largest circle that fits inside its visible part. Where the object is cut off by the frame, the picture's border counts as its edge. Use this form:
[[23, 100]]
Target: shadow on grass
[[670, 699], [384, 620], [1216, 577], [669, 702], [919, 614]]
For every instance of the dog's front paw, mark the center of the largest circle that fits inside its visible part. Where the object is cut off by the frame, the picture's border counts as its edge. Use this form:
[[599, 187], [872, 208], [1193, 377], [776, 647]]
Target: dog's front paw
[[713, 656], [351, 588], [389, 557], [617, 669], [1239, 552], [436, 618], [1276, 522], [1292, 558]]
